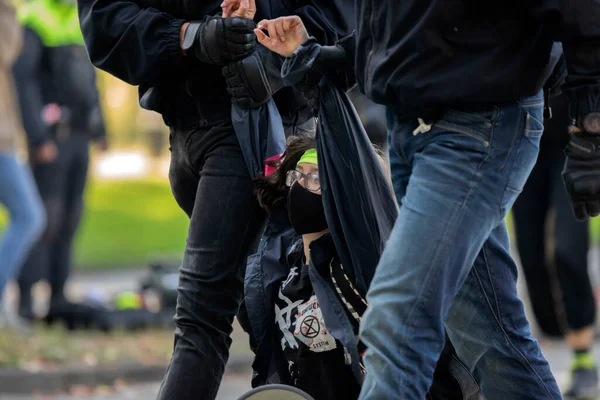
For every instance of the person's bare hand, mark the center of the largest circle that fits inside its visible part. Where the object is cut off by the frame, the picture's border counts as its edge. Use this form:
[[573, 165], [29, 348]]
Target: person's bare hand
[[239, 8], [51, 114], [45, 153], [286, 34]]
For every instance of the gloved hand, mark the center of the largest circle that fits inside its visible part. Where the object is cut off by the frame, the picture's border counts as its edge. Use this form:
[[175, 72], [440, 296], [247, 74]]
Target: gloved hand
[[581, 174], [253, 80], [220, 41]]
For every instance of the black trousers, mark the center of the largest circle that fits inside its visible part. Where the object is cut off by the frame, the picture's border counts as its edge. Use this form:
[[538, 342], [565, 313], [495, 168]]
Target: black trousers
[[553, 245], [61, 185], [211, 183]]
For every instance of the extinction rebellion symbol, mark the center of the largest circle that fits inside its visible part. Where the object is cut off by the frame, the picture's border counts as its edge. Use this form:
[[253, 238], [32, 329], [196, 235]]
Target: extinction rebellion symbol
[[310, 327]]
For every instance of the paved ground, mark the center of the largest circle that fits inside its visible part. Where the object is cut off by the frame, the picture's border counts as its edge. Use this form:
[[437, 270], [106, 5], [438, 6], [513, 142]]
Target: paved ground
[[231, 389]]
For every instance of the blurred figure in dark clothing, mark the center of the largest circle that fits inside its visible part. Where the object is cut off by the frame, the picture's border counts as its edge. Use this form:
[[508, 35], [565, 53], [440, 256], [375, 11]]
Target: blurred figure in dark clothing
[[56, 85], [372, 116], [553, 247]]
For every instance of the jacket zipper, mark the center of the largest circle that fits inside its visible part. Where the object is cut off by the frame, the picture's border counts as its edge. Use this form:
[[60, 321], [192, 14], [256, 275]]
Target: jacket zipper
[[369, 80]]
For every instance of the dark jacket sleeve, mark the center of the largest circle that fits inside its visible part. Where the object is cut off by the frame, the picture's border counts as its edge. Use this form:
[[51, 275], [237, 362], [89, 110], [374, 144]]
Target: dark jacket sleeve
[[97, 126], [325, 20], [581, 44], [27, 72], [137, 45]]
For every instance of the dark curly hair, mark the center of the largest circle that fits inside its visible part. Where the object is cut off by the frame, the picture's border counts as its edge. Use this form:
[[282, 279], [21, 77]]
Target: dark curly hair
[[272, 190]]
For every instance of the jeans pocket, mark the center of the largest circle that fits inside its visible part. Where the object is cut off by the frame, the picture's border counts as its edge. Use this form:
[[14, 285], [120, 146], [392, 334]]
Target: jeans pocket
[[474, 124], [534, 127], [525, 150]]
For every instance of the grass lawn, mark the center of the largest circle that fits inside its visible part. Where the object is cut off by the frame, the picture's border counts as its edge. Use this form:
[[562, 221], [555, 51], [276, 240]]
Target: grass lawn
[[46, 348], [128, 222], [49, 347]]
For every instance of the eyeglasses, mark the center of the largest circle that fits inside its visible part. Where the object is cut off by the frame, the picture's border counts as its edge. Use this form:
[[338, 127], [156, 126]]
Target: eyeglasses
[[311, 181]]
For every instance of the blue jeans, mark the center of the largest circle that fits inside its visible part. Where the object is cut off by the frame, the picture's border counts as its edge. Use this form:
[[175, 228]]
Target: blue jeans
[[447, 263], [27, 218]]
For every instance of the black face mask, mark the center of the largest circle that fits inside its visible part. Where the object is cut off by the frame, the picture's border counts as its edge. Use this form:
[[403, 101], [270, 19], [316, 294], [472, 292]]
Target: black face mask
[[306, 210]]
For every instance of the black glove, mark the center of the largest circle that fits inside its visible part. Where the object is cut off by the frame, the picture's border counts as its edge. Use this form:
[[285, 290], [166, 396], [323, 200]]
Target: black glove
[[219, 41], [581, 174], [253, 80]]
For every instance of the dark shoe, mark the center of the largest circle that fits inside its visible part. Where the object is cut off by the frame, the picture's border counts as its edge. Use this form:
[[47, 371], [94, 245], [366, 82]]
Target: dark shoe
[[27, 314], [75, 315], [584, 384]]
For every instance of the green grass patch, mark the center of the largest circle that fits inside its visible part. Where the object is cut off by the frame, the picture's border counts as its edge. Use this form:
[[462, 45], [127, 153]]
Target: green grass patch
[[128, 222], [48, 347]]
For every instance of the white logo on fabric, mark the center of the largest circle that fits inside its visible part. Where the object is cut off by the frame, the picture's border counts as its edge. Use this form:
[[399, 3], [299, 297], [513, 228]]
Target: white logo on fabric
[[310, 327], [283, 317], [293, 273]]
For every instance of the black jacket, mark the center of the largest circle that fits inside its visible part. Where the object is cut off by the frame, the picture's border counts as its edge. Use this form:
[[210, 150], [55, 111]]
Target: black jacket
[[422, 57], [61, 75], [138, 42]]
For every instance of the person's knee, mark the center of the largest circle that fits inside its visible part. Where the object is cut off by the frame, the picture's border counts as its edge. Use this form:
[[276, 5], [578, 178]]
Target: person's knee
[[54, 219], [30, 220], [71, 221]]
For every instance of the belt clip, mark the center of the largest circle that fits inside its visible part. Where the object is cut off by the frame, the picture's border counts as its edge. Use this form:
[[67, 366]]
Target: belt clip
[[422, 128]]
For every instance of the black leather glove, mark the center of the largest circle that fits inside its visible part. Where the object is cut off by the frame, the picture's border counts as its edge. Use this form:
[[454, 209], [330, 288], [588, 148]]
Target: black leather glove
[[581, 174], [253, 80], [219, 41]]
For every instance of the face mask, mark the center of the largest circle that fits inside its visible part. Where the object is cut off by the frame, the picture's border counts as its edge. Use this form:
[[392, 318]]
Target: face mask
[[306, 210]]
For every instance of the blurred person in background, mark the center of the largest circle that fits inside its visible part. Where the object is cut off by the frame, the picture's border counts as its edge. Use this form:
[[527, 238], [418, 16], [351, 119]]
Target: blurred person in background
[[56, 84], [553, 247], [17, 188], [190, 64], [372, 116]]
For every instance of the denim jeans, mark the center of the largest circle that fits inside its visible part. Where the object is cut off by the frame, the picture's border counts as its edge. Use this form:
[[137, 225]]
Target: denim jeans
[[61, 185], [26, 211], [447, 263], [211, 183]]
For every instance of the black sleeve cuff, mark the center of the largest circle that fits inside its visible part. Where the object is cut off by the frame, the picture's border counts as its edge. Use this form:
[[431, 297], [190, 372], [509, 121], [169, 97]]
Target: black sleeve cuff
[[583, 100]]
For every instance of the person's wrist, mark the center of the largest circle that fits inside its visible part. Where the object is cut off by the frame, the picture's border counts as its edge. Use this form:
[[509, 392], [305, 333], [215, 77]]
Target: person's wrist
[[182, 32]]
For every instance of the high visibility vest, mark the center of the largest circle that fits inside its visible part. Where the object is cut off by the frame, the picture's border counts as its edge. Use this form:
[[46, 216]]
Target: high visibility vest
[[55, 21]]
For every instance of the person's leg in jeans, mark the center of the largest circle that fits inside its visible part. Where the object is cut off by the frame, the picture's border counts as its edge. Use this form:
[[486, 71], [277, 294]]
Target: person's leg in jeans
[[50, 181], [212, 185], [61, 247], [466, 173], [19, 196]]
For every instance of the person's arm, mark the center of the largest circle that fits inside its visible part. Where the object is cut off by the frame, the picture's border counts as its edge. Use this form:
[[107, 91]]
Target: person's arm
[[581, 45], [326, 20], [11, 35], [96, 119], [142, 45], [134, 44], [27, 72], [254, 80]]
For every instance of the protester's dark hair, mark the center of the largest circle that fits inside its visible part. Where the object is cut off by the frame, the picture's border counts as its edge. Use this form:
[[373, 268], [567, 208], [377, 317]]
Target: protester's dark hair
[[272, 190]]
